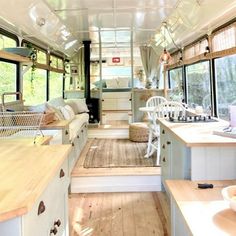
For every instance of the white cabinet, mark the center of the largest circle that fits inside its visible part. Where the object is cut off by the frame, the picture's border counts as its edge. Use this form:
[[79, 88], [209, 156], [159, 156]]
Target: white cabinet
[[195, 162], [116, 101], [49, 214]]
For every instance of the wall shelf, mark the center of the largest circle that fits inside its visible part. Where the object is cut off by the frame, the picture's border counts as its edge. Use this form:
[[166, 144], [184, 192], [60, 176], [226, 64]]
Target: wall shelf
[[13, 57]]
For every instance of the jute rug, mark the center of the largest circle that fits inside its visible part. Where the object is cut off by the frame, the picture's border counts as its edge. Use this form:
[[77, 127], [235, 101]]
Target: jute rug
[[104, 153]]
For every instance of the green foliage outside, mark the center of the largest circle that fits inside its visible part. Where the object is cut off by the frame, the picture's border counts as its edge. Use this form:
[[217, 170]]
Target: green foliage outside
[[55, 85], [176, 85]]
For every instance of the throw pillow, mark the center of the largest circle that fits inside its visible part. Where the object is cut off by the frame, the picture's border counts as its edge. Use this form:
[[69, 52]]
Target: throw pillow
[[78, 105], [67, 112], [111, 83]]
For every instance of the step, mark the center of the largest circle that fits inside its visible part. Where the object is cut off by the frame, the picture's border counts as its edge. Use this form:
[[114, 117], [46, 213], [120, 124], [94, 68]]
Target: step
[[94, 184], [108, 133]]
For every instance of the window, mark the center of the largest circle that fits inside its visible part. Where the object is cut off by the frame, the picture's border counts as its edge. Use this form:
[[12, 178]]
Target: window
[[34, 86], [41, 57], [198, 85], [225, 71], [55, 85], [176, 84], [6, 42], [8, 79]]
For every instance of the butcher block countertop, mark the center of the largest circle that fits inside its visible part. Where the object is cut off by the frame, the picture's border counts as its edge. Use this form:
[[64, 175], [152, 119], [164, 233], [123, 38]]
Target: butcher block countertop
[[204, 210], [57, 124], [25, 172], [199, 134]]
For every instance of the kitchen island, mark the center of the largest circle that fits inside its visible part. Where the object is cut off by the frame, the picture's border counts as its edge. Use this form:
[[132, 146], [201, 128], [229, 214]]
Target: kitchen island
[[34, 189], [192, 151]]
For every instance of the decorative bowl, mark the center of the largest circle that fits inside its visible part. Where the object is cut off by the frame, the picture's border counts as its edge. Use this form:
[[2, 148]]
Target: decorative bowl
[[229, 195]]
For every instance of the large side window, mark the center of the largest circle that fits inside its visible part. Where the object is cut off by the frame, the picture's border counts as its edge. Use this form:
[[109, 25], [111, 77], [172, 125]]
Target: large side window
[[198, 85], [176, 84], [225, 71], [8, 69], [55, 85], [8, 79], [34, 86]]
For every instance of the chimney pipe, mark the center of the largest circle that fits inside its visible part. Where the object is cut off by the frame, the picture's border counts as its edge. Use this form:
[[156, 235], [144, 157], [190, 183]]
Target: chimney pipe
[[87, 68]]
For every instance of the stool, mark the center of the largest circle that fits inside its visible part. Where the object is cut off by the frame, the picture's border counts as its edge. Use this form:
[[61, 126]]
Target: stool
[[138, 132]]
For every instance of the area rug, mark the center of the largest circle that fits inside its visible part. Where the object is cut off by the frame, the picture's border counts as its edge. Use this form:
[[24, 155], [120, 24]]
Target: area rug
[[105, 153]]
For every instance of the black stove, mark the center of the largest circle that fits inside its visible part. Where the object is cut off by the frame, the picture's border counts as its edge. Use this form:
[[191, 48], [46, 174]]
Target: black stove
[[192, 119]]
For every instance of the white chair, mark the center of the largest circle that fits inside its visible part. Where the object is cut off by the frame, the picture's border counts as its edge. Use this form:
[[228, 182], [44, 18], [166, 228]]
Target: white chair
[[164, 110], [152, 103]]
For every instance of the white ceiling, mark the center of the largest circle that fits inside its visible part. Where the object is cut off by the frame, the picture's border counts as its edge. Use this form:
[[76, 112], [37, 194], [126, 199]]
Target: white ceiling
[[64, 24]]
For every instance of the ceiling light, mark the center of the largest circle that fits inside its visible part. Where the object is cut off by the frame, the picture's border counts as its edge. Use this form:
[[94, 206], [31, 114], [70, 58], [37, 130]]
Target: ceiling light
[[40, 21]]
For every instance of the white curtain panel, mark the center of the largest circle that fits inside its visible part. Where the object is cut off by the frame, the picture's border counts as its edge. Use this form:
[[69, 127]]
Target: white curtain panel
[[150, 61]]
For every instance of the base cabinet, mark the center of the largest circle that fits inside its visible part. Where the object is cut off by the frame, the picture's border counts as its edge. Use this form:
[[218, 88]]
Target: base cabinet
[[180, 161], [48, 215]]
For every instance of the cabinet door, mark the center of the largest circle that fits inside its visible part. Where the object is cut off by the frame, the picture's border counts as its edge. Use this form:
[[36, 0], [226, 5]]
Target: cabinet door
[[165, 155]]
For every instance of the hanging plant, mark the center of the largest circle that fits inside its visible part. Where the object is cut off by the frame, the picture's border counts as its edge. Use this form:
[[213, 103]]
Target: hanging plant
[[33, 57]]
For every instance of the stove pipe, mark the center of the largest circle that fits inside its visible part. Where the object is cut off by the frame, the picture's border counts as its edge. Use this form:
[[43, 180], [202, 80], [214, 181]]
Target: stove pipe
[[87, 68]]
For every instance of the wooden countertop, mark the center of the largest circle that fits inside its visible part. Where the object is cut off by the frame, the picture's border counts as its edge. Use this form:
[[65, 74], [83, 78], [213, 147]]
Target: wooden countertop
[[25, 171], [204, 210], [199, 134], [57, 124]]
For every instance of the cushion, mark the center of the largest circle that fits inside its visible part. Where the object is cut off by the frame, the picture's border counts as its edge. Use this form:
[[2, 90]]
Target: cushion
[[78, 105], [77, 123], [67, 112], [112, 83], [57, 102], [123, 82], [38, 108], [97, 84], [58, 114]]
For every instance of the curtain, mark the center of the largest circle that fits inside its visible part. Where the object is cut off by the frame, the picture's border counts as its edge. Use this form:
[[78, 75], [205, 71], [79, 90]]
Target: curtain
[[150, 64]]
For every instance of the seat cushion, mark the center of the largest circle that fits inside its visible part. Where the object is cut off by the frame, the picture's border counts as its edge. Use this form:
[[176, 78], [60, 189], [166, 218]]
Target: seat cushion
[[76, 124]]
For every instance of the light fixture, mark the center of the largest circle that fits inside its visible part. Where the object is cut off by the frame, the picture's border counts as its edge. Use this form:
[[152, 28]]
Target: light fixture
[[207, 50], [40, 21], [165, 57]]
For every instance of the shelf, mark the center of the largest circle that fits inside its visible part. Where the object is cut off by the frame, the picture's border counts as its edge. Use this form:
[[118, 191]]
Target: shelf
[[13, 57]]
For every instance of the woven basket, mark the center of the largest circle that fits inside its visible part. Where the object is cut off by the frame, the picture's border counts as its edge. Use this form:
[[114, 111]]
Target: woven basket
[[138, 132]]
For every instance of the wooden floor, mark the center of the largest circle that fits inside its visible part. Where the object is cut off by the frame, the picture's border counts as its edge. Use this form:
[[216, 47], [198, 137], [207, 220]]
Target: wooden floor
[[119, 214]]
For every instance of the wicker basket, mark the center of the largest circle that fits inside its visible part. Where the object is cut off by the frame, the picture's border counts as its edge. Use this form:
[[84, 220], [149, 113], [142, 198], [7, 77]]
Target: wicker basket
[[138, 132]]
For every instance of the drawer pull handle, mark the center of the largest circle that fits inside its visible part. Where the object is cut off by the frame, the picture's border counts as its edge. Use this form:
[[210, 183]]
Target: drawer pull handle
[[164, 159], [66, 132], [41, 208], [82, 130], [163, 131], [77, 136], [168, 142], [62, 173], [72, 144], [53, 231], [163, 146], [57, 223]]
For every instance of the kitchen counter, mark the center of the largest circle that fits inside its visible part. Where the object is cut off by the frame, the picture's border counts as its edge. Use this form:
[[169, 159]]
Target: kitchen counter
[[200, 212], [199, 134], [25, 172]]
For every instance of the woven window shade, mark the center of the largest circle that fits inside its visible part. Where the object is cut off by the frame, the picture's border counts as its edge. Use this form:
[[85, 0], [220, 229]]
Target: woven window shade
[[195, 49], [224, 38]]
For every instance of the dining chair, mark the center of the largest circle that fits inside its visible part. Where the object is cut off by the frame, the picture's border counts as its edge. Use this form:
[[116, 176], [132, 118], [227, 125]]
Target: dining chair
[[163, 110], [152, 103]]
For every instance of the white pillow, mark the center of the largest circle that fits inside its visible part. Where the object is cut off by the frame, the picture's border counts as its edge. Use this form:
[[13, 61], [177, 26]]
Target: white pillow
[[67, 112], [57, 102], [58, 114], [123, 82], [111, 83], [78, 105]]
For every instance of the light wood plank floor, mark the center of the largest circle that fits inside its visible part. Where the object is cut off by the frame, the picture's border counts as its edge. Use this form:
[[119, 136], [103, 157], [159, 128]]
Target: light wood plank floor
[[119, 214]]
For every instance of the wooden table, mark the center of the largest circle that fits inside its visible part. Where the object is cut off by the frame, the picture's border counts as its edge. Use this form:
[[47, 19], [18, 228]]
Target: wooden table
[[200, 212]]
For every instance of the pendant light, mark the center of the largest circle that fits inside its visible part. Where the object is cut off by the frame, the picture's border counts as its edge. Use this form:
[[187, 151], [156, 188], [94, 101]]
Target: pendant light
[[165, 56]]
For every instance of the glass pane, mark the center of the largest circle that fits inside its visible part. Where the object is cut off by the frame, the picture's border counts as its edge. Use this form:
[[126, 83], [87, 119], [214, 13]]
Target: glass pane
[[34, 86], [6, 42], [41, 57], [53, 61], [198, 85], [226, 84], [176, 85], [68, 82], [55, 85], [8, 79], [60, 64]]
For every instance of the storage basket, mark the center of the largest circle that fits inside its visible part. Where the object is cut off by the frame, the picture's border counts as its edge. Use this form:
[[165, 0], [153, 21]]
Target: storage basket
[[138, 132]]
